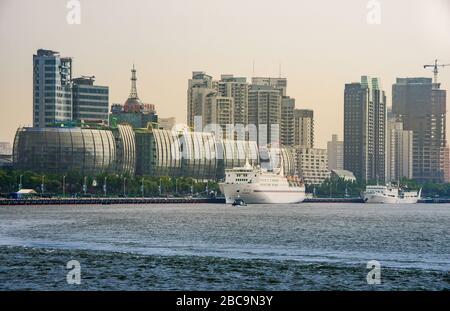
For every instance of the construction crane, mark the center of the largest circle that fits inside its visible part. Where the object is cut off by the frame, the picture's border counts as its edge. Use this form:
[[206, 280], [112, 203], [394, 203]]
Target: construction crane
[[435, 68]]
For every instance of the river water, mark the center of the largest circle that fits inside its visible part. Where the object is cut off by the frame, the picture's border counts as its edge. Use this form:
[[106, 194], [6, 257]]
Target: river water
[[219, 247]]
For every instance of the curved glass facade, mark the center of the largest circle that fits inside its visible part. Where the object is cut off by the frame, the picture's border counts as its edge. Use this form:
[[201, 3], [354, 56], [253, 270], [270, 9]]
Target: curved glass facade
[[154, 152], [126, 149], [59, 150], [199, 156], [273, 158], [167, 153]]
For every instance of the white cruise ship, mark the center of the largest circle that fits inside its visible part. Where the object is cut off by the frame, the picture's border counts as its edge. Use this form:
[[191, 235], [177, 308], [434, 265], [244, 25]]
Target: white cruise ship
[[255, 185], [390, 194]]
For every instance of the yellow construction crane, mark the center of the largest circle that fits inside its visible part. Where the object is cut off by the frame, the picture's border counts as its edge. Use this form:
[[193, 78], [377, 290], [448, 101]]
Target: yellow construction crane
[[435, 68]]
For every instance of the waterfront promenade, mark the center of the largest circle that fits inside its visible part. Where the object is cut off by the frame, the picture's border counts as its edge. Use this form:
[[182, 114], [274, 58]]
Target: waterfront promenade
[[108, 201], [159, 200]]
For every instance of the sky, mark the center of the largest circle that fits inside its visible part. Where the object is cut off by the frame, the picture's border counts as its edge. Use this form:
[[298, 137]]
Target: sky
[[320, 45]]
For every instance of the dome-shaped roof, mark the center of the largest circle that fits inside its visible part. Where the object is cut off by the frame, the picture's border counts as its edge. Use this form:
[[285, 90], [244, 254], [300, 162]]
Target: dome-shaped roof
[[132, 105]]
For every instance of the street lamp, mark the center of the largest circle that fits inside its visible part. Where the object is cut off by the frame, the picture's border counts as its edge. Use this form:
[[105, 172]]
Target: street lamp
[[43, 184], [160, 188], [85, 185], [64, 185], [20, 182], [124, 187], [142, 186], [104, 185]]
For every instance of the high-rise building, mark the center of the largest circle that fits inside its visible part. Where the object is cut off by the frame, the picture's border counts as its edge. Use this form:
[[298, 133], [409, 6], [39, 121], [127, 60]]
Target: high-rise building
[[420, 105], [335, 150], [312, 165], [199, 87], [287, 121], [399, 152], [90, 102], [364, 129], [52, 90], [236, 88], [218, 111], [264, 112], [304, 128], [278, 83]]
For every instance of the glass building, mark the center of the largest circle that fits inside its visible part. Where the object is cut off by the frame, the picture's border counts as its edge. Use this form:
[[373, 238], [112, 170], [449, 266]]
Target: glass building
[[52, 90], [128, 151], [195, 154], [90, 102], [59, 150], [86, 150]]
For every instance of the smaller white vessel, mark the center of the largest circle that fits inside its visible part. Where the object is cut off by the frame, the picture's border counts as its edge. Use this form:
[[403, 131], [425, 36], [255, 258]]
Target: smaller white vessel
[[390, 194]]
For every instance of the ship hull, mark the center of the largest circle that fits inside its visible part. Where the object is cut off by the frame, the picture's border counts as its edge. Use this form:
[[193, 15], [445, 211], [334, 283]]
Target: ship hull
[[254, 194], [379, 198]]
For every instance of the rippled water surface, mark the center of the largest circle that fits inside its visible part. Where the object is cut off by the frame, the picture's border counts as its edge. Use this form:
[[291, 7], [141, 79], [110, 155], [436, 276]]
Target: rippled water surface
[[215, 247]]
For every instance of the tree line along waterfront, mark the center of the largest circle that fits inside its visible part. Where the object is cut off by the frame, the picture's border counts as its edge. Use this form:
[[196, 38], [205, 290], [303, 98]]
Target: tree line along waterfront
[[112, 185], [75, 184]]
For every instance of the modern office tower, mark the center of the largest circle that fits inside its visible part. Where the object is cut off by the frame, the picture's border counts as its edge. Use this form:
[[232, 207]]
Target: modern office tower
[[90, 102], [312, 165], [236, 88], [264, 112], [52, 91], [218, 111], [364, 129], [421, 106], [335, 150], [133, 111], [278, 83], [399, 152], [304, 128], [287, 121], [199, 87]]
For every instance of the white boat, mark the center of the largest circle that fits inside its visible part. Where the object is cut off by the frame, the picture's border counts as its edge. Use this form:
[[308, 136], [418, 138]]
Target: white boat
[[390, 194], [255, 185]]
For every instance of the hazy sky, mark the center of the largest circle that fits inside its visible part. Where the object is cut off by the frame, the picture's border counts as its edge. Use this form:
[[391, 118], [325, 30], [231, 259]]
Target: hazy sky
[[321, 45]]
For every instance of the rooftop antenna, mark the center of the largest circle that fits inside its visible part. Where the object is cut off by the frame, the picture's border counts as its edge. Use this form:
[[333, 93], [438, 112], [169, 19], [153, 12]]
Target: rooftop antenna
[[133, 93]]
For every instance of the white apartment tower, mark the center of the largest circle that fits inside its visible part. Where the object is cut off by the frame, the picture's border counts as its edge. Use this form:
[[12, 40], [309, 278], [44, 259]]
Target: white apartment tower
[[52, 89], [237, 89], [287, 121], [264, 113], [199, 86], [304, 128], [399, 152], [218, 110]]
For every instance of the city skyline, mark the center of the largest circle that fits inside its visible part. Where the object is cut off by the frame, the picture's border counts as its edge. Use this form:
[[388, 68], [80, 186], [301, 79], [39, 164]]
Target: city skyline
[[165, 59]]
